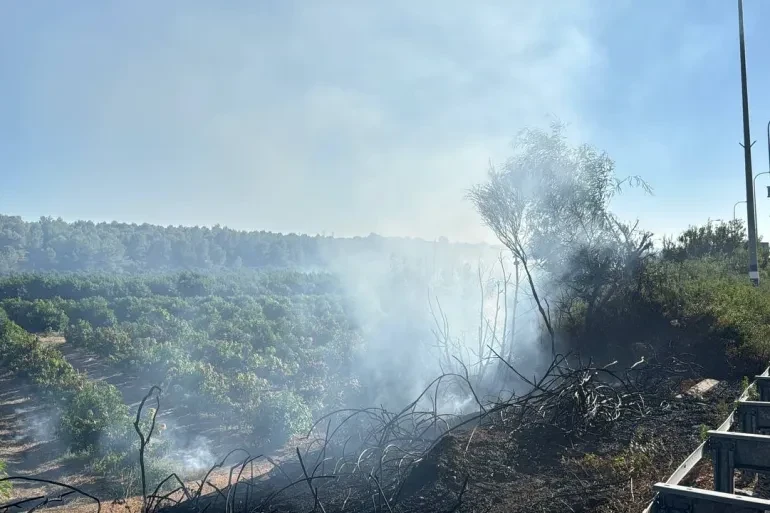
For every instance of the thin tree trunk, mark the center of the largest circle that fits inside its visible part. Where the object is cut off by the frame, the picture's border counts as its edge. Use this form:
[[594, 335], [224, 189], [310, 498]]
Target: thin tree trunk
[[517, 281], [543, 314]]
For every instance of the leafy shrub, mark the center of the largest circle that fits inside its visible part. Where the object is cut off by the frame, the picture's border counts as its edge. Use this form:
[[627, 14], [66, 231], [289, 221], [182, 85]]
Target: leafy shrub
[[96, 411], [36, 316], [23, 354], [123, 475], [95, 310], [79, 334], [120, 465], [111, 342], [5, 486], [731, 316], [281, 415]]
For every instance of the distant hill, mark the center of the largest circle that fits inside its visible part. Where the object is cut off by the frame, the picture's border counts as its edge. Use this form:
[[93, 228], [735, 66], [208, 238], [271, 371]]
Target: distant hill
[[55, 245]]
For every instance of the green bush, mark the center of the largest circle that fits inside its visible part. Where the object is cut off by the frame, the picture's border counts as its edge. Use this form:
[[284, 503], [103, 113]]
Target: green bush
[[731, 316], [23, 354], [80, 334], [95, 310], [5, 486], [95, 413], [111, 342], [36, 316], [121, 470], [281, 415]]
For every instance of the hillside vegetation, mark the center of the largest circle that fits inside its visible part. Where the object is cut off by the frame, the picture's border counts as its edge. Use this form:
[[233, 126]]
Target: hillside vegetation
[[262, 354], [254, 336], [55, 245]]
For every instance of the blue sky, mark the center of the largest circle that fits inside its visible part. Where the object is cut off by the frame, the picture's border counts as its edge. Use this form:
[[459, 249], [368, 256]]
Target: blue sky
[[351, 117]]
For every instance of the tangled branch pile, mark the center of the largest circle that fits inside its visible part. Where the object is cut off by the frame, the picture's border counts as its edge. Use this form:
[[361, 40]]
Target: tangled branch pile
[[577, 396]]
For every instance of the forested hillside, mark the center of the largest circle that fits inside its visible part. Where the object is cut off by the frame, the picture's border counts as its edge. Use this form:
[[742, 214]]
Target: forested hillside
[[55, 245]]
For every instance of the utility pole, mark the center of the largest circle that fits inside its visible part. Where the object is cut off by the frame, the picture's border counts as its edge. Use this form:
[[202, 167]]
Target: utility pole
[[750, 209]]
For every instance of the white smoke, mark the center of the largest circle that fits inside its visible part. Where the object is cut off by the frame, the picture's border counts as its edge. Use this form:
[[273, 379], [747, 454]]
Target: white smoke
[[196, 457], [39, 424], [395, 295]]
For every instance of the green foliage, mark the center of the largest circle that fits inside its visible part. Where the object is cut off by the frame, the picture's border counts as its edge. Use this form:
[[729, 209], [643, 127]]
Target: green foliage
[[715, 240], [734, 315], [94, 310], [23, 354], [5, 486], [280, 416], [674, 304], [752, 394], [597, 283], [91, 412], [703, 432], [229, 352], [635, 461], [95, 412], [80, 334], [55, 245], [36, 316]]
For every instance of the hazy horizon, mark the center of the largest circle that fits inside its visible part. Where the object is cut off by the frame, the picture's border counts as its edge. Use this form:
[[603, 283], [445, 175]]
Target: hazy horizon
[[362, 118], [491, 242]]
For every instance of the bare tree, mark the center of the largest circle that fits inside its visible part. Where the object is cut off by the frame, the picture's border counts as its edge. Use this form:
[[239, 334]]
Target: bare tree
[[504, 209], [496, 325], [549, 201]]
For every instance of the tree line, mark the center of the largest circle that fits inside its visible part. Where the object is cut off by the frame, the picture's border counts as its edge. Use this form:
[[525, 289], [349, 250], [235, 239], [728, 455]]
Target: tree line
[[55, 245]]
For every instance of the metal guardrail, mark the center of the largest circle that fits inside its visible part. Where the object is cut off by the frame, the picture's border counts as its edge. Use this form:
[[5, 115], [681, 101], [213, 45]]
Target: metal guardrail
[[672, 483]]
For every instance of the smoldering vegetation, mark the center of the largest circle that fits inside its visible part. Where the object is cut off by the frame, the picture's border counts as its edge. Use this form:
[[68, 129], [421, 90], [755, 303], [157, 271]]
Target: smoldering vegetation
[[244, 359], [298, 374]]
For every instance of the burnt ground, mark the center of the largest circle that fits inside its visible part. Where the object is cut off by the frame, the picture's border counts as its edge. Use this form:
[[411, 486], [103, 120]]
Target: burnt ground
[[490, 468]]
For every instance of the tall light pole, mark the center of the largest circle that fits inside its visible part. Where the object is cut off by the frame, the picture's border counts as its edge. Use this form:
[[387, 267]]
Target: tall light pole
[[756, 217], [763, 173], [753, 267], [736, 204]]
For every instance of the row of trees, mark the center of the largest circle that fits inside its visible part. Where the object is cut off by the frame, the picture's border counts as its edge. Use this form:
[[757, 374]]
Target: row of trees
[[78, 286], [89, 409], [55, 245], [93, 420], [228, 355]]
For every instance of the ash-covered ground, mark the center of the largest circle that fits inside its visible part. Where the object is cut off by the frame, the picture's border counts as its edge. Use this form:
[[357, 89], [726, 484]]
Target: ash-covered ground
[[582, 440]]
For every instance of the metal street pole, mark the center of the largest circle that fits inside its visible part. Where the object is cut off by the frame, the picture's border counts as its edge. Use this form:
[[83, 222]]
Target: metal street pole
[[760, 174], [756, 217], [753, 267], [738, 203]]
